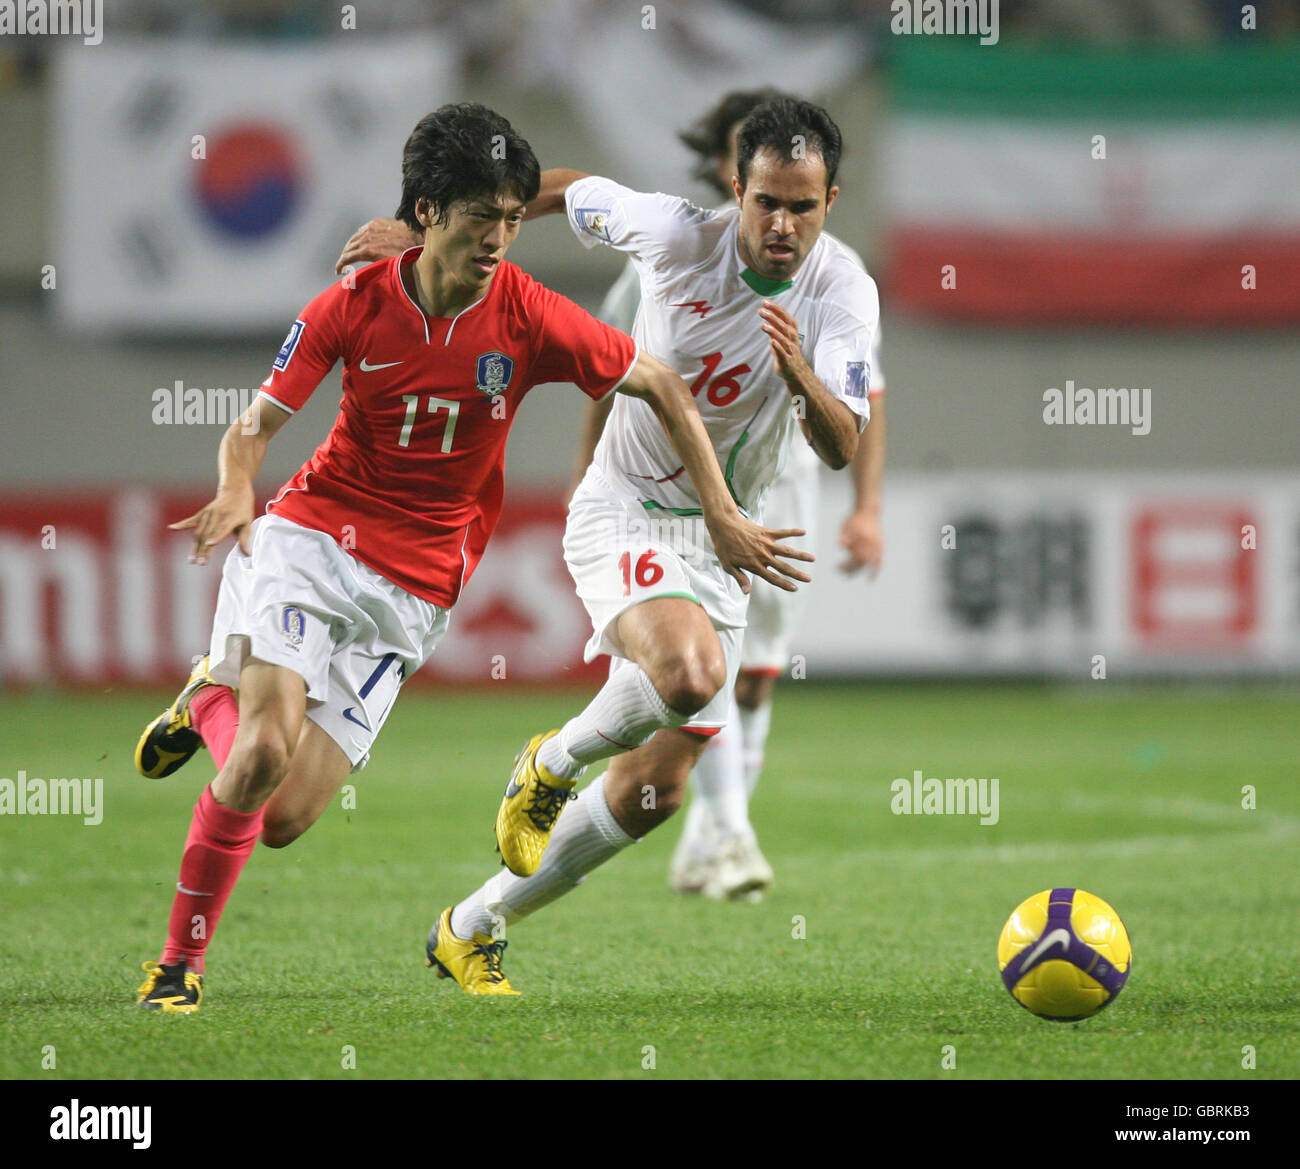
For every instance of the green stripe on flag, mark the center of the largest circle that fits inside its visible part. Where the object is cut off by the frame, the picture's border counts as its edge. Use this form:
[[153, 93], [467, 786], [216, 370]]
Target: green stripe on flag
[[961, 79]]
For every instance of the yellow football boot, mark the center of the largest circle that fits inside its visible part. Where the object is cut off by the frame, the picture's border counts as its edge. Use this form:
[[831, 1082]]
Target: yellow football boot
[[475, 965], [533, 802], [174, 990], [170, 741]]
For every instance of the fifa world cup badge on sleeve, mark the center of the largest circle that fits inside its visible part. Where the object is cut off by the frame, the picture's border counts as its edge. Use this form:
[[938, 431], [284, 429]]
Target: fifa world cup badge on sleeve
[[855, 379], [594, 221], [290, 344]]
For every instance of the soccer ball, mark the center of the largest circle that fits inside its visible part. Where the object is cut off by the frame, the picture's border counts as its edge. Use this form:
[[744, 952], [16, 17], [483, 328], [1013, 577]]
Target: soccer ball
[[1064, 954]]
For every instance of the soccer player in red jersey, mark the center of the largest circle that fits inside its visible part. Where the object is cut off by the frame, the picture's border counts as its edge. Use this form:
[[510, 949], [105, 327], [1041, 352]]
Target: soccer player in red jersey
[[343, 588]]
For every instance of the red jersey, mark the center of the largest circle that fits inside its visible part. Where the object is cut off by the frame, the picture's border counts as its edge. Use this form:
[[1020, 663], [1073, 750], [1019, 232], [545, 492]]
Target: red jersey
[[409, 479]]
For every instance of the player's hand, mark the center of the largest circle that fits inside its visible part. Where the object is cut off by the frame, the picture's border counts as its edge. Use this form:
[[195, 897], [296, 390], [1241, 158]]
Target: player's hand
[[744, 546], [860, 536], [230, 512], [783, 336], [377, 240]]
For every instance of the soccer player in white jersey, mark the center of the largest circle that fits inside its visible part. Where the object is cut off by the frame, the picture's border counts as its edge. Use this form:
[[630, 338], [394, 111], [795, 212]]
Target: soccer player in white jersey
[[718, 853], [771, 324]]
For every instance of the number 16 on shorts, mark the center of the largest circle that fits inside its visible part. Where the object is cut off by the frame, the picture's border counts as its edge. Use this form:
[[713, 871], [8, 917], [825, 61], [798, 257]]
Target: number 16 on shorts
[[647, 571]]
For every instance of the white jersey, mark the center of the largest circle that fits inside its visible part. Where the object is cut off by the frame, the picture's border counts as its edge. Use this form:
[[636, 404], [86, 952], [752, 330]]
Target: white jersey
[[699, 315], [619, 308]]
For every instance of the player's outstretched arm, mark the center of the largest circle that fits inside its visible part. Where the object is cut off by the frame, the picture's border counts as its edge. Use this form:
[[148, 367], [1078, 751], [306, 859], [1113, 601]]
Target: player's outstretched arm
[[377, 240], [860, 533], [830, 426], [550, 195], [243, 447], [740, 544], [381, 239]]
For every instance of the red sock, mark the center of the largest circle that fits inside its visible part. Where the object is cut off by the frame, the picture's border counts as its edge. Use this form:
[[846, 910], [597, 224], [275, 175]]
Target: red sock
[[215, 715], [219, 843]]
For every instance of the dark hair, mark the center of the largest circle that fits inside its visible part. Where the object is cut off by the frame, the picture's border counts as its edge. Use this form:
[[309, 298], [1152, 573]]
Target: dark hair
[[461, 152], [782, 122], [710, 135]]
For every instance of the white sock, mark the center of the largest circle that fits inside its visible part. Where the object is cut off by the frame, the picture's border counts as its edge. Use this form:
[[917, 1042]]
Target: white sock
[[719, 777], [586, 835], [698, 833], [754, 726], [623, 715]]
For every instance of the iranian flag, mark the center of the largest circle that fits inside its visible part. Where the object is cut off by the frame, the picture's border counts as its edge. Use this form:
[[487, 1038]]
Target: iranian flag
[[1027, 186]]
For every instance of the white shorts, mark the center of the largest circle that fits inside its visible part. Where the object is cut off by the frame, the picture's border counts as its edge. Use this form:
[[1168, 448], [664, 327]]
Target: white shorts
[[621, 554], [301, 602], [774, 613]]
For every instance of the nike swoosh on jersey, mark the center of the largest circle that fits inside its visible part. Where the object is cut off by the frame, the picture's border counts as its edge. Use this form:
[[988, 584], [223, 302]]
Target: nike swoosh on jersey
[[347, 714], [383, 365], [1046, 943]]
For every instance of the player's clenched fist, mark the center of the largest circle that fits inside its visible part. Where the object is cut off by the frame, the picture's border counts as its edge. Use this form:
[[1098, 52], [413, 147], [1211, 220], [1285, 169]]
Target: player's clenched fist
[[228, 512], [377, 240]]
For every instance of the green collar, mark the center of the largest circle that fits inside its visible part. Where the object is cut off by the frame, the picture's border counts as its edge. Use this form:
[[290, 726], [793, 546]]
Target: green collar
[[762, 284]]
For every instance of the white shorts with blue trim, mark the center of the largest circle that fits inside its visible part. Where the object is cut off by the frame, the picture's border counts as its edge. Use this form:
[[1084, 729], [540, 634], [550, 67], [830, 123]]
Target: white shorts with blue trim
[[302, 602]]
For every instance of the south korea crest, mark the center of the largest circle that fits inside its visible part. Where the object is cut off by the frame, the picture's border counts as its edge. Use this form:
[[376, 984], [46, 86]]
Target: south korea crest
[[292, 625], [494, 371]]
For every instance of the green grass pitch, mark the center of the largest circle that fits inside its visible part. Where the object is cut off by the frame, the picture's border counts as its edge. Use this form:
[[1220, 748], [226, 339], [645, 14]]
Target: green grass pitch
[[1133, 793]]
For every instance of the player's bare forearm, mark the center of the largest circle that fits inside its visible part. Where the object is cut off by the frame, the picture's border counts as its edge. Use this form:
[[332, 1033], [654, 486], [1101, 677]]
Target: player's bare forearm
[[593, 426], [671, 400], [550, 195], [869, 462], [740, 544], [860, 534], [239, 458], [829, 425]]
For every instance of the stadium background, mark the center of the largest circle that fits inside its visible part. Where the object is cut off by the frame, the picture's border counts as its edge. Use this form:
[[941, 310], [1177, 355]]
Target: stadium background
[[169, 269], [131, 266]]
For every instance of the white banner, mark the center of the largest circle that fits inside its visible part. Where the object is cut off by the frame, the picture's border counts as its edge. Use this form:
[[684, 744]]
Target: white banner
[[211, 187], [1030, 176], [1074, 575]]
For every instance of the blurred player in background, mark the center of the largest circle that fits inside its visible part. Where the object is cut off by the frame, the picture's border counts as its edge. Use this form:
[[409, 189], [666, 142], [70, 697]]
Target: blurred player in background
[[772, 322], [718, 854], [344, 588]]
